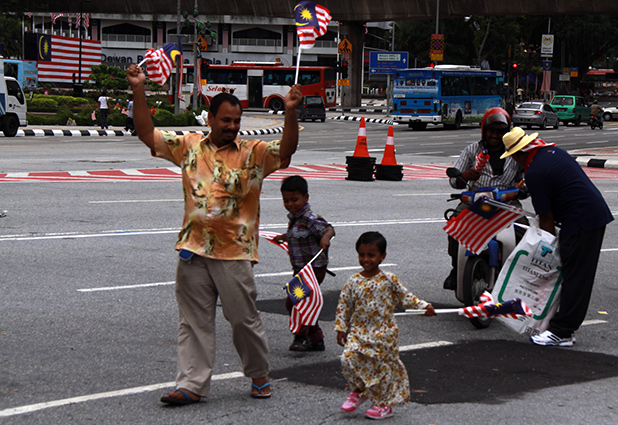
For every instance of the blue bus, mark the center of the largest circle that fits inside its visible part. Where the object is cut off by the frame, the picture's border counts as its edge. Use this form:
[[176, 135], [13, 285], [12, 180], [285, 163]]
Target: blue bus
[[447, 94]]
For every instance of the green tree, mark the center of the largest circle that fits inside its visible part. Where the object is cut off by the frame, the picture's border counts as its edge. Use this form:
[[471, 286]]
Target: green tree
[[10, 35], [108, 77]]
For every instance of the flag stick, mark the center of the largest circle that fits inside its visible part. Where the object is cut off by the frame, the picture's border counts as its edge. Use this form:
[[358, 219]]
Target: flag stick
[[318, 254], [507, 207], [300, 49], [419, 312], [142, 62]]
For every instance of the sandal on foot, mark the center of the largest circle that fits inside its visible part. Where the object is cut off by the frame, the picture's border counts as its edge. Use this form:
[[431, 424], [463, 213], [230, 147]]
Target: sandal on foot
[[169, 399], [259, 391]]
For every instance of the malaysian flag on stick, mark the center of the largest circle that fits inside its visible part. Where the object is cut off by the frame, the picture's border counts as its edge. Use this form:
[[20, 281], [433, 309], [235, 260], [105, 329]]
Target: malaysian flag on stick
[[270, 236], [487, 308], [476, 225], [160, 62], [311, 22], [304, 291]]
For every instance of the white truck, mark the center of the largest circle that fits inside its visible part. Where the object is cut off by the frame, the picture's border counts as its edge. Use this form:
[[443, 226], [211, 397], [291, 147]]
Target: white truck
[[13, 106]]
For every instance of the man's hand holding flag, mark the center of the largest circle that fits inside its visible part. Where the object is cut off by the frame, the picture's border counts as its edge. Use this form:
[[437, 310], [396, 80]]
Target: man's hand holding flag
[[160, 62]]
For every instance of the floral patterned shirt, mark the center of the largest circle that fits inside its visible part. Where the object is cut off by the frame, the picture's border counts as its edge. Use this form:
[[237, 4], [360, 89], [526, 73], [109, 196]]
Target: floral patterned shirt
[[221, 189], [366, 312]]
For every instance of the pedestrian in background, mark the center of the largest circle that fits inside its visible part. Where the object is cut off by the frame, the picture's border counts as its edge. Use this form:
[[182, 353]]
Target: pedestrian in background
[[104, 101]]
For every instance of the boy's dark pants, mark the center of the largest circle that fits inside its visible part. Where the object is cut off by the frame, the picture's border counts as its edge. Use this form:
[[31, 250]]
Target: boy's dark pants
[[313, 333]]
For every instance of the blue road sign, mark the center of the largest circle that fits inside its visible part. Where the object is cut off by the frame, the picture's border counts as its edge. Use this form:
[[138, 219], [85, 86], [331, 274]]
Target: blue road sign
[[387, 62]]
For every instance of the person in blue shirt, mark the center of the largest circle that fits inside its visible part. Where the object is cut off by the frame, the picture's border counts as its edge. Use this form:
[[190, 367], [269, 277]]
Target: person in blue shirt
[[562, 194]]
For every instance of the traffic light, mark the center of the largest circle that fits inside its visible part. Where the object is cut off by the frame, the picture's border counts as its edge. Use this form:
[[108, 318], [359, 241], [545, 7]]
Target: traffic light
[[514, 66], [344, 70]]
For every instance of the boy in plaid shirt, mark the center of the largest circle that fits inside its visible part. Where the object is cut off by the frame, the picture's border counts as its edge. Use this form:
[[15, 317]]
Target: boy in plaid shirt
[[307, 234]]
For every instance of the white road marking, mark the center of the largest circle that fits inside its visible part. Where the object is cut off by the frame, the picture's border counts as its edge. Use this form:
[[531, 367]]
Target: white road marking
[[98, 396], [593, 322], [425, 345], [131, 201], [140, 232], [150, 285]]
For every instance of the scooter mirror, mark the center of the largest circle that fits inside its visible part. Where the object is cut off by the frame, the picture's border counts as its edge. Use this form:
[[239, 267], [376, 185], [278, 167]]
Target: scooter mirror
[[453, 172]]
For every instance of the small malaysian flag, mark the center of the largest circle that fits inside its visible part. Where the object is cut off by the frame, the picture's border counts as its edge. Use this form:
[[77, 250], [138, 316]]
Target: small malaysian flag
[[476, 225], [270, 236], [307, 310], [311, 22], [489, 308], [160, 62]]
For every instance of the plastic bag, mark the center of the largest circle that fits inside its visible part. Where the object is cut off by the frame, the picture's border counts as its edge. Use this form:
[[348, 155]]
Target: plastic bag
[[533, 272]]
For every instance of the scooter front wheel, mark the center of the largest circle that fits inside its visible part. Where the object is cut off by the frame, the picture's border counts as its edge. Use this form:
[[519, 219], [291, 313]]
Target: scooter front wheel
[[476, 280]]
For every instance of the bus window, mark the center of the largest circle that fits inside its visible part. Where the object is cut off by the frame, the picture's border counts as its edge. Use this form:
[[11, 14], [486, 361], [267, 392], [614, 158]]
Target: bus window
[[225, 76], [309, 77]]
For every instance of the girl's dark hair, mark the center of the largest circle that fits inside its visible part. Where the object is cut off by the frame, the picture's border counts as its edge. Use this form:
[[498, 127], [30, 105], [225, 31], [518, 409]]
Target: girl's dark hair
[[374, 238], [216, 102], [295, 184]]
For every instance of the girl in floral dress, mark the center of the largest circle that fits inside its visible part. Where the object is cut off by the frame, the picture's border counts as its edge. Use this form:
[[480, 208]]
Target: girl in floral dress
[[366, 327]]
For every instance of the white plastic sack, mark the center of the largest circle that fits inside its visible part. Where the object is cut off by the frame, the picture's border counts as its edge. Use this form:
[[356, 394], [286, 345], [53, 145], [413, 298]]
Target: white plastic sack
[[533, 273]]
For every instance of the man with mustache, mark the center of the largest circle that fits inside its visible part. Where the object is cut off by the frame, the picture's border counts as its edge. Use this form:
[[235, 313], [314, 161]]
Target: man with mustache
[[222, 179]]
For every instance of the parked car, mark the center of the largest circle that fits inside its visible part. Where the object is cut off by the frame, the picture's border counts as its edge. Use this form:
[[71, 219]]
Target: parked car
[[311, 108], [570, 108], [610, 113], [535, 114]]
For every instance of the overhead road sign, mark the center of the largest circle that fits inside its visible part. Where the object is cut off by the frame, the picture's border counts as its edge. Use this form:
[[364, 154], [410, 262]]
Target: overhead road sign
[[387, 62]]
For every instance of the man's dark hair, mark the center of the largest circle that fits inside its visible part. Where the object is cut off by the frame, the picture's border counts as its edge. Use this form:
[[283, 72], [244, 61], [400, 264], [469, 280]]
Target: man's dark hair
[[216, 102], [374, 238], [295, 184]]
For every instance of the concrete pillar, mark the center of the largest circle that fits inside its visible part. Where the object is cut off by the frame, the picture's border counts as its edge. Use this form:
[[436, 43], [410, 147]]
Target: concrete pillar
[[356, 35]]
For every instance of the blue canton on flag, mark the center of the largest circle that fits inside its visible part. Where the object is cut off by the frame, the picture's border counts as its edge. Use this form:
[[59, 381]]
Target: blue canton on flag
[[311, 22], [297, 289]]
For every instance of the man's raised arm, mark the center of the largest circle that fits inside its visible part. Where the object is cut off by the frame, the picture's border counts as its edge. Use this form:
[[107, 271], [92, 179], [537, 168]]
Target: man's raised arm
[[141, 114], [289, 139]]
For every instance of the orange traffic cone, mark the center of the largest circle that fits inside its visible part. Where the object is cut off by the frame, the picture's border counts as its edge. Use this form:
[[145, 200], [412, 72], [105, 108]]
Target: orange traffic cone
[[389, 149], [361, 141]]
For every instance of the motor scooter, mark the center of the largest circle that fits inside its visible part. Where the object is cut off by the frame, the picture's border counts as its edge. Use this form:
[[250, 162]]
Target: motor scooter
[[476, 273], [595, 122]]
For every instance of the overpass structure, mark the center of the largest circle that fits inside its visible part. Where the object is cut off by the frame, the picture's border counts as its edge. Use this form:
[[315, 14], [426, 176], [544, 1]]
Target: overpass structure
[[352, 14]]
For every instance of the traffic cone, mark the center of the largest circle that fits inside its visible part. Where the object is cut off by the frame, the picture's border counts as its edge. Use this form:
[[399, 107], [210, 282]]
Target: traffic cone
[[389, 149], [388, 168], [360, 166], [361, 141]]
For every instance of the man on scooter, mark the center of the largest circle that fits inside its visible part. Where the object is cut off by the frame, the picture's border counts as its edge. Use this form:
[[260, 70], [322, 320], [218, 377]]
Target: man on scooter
[[501, 173]]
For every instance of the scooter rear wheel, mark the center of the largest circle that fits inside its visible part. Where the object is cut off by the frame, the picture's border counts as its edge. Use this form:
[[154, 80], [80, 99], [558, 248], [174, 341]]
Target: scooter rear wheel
[[476, 280]]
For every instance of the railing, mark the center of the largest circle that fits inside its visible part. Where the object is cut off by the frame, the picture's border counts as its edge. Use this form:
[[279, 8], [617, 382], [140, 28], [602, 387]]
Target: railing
[[126, 38], [256, 42]]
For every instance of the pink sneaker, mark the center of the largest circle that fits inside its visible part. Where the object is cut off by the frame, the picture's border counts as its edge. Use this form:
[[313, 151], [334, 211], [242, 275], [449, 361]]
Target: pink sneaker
[[379, 412], [352, 402]]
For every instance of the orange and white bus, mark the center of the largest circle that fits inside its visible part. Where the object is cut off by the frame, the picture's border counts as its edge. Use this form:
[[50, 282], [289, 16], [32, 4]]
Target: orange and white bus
[[261, 85]]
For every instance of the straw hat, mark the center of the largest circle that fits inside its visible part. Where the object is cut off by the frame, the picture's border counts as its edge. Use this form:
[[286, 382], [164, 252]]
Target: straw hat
[[515, 140]]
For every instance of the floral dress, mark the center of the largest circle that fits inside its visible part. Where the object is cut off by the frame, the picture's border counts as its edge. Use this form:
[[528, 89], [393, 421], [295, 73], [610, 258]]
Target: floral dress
[[370, 359]]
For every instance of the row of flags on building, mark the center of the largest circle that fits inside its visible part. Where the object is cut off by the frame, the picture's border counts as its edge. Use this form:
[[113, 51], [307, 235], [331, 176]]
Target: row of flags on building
[[80, 18]]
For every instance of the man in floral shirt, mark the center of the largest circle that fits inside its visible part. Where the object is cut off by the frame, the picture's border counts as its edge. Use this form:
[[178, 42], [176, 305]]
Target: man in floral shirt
[[222, 178]]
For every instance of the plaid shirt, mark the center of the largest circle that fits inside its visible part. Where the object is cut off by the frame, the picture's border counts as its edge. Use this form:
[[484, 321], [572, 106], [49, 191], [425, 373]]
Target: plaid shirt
[[512, 174], [305, 230]]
